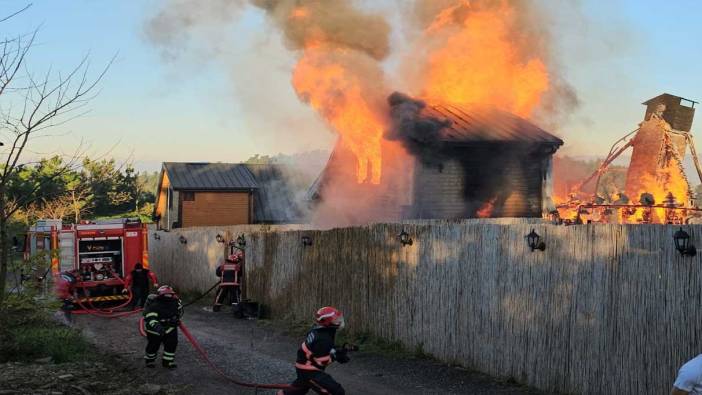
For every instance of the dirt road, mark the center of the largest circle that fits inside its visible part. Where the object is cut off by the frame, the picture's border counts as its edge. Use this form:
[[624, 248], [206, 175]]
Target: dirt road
[[252, 352]]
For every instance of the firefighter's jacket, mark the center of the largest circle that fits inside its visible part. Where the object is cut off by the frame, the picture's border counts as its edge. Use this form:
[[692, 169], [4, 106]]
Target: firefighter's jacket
[[317, 351], [165, 312]]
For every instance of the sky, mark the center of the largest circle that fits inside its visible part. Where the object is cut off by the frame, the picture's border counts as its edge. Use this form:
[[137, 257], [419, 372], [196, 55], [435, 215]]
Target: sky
[[153, 107]]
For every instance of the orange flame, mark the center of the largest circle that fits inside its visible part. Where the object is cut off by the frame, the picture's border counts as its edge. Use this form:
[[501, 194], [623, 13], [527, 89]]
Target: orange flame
[[485, 211], [333, 88], [299, 12], [476, 60]]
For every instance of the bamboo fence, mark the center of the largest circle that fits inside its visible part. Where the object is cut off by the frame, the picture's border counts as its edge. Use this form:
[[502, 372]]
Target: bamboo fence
[[604, 309]]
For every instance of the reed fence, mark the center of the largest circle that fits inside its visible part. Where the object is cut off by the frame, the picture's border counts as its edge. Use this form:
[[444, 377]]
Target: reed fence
[[604, 309]]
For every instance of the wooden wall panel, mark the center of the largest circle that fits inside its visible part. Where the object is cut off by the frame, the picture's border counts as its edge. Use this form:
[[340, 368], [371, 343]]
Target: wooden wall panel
[[216, 209]]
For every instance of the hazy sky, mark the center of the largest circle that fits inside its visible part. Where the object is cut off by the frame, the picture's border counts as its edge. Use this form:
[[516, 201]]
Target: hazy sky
[[199, 107]]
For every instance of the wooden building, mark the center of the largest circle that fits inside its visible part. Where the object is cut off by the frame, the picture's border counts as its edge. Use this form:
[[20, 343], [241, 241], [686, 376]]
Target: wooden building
[[484, 163], [491, 164], [209, 194]]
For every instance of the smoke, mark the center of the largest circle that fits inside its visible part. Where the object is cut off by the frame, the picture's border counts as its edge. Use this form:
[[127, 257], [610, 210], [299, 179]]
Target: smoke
[[332, 23], [174, 27], [419, 134]]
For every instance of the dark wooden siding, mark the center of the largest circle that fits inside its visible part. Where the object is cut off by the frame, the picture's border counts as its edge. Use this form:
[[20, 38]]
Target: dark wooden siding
[[493, 180]]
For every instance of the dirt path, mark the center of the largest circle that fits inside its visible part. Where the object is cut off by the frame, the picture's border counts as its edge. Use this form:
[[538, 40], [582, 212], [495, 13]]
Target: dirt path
[[252, 352]]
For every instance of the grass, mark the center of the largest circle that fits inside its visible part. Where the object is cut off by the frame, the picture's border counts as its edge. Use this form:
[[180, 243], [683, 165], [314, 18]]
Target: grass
[[27, 333], [51, 340]]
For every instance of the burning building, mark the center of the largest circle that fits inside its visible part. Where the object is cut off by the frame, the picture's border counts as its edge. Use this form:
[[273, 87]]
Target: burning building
[[657, 189], [456, 162]]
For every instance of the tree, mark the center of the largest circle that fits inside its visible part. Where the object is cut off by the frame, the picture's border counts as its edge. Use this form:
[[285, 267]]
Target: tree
[[112, 190], [30, 105]]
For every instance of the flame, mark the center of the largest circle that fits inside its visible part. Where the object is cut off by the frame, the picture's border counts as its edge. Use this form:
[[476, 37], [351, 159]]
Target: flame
[[485, 211], [323, 79], [299, 12], [477, 60]]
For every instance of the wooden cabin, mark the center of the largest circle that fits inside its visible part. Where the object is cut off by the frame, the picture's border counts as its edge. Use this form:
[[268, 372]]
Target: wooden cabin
[[218, 194], [485, 163]]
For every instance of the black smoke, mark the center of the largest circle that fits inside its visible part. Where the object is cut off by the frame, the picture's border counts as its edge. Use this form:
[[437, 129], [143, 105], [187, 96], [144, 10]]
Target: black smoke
[[419, 133]]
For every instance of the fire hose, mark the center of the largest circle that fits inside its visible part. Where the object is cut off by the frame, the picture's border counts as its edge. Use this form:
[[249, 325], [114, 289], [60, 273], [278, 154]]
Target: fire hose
[[203, 355], [107, 313], [111, 313], [202, 296]]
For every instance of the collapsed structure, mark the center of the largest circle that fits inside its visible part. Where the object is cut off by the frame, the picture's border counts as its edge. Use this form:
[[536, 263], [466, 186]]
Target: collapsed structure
[[656, 189]]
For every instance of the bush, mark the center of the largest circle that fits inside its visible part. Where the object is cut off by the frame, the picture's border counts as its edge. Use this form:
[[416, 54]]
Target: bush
[[27, 332], [60, 343]]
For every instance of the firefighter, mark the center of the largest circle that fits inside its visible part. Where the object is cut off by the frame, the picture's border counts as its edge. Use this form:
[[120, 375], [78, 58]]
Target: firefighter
[[138, 279], [228, 273], [316, 353], [161, 318]]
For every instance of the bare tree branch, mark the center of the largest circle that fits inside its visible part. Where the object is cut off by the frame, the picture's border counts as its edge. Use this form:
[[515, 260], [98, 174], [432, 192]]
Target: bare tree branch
[[16, 13]]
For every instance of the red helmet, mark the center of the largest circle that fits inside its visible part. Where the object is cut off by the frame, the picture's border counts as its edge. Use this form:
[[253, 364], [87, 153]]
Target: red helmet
[[166, 291], [329, 317]]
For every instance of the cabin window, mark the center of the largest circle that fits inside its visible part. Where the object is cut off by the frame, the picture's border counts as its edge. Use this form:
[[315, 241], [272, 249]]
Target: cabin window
[[188, 196]]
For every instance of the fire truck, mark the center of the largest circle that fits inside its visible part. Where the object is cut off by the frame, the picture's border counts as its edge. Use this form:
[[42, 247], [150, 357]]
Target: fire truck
[[89, 261]]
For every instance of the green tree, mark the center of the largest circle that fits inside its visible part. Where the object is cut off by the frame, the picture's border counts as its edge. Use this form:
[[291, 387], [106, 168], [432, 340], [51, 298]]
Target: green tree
[[112, 191]]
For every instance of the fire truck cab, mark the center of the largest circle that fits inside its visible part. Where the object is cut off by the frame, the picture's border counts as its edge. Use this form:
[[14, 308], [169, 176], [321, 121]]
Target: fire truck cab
[[93, 258]]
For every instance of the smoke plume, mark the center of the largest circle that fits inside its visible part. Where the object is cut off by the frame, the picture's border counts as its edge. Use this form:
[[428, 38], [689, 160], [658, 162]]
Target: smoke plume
[[331, 23], [419, 134]]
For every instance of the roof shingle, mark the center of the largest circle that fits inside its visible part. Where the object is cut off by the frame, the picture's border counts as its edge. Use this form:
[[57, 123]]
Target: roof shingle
[[474, 124], [210, 176]]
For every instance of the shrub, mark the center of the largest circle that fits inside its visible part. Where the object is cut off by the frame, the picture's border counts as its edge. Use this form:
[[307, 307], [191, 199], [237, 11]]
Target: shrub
[[60, 343]]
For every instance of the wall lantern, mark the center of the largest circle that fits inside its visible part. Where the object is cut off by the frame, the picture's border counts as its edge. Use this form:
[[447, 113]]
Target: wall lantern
[[405, 238], [534, 241], [183, 240], [220, 239], [157, 236], [241, 241], [306, 241], [682, 243]]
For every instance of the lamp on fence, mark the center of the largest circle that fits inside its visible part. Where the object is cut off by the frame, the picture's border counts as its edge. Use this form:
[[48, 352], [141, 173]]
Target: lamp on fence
[[306, 241], [534, 241], [682, 243], [220, 239], [241, 241], [183, 240], [157, 236], [405, 238]]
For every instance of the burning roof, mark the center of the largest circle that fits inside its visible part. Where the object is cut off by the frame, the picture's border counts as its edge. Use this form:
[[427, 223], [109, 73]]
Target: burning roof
[[482, 124]]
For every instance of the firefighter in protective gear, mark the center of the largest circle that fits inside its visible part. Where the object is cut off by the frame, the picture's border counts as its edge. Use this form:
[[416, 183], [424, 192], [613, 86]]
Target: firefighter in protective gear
[[229, 273], [138, 280], [316, 353], [161, 318]]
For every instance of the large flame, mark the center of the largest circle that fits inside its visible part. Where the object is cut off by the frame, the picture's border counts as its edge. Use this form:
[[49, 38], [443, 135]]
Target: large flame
[[478, 60], [327, 80]]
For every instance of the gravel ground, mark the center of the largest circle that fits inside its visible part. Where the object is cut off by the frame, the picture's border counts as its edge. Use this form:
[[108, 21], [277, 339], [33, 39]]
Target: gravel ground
[[252, 352]]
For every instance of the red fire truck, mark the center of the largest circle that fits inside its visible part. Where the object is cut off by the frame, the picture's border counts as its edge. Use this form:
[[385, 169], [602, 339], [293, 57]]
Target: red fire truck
[[90, 260]]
